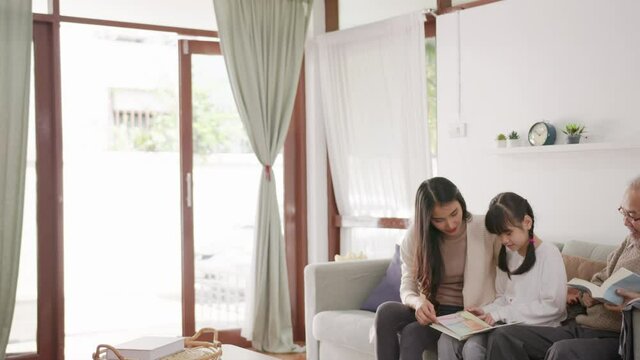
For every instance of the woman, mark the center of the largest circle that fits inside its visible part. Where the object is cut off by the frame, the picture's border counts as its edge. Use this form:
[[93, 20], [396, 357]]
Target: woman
[[447, 264], [530, 286]]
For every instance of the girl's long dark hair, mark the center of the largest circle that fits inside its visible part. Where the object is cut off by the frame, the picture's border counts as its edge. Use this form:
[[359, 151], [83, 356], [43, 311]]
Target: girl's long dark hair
[[509, 209], [429, 265]]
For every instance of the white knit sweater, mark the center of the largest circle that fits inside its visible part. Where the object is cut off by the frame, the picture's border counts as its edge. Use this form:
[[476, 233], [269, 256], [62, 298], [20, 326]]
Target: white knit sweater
[[537, 297]]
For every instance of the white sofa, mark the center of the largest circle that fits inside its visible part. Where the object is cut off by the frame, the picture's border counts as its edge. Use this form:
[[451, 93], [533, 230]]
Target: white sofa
[[335, 327]]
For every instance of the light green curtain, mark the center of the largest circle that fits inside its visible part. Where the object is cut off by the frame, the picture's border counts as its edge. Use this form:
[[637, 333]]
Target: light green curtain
[[15, 58], [263, 43]]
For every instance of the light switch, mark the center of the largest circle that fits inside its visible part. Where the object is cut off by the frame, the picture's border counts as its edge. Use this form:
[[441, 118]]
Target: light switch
[[457, 129]]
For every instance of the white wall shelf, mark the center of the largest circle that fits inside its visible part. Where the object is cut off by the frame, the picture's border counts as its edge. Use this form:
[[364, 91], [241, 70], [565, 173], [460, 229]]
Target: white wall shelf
[[527, 149]]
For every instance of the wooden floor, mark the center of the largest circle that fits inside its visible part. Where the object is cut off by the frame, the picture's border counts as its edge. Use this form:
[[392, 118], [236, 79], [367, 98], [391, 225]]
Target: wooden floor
[[292, 356], [298, 356]]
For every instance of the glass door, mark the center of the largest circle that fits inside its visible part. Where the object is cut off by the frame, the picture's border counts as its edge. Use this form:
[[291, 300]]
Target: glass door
[[221, 178], [121, 190]]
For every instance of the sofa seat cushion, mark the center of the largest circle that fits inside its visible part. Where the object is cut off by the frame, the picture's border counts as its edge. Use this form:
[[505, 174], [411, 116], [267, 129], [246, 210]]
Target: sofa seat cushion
[[348, 328]]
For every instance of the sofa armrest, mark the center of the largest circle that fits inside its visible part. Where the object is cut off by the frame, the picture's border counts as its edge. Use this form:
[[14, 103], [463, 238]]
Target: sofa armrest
[[337, 286]]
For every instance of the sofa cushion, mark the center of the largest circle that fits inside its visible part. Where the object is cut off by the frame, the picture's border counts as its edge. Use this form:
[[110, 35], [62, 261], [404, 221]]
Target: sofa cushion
[[348, 328], [581, 268], [389, 287]]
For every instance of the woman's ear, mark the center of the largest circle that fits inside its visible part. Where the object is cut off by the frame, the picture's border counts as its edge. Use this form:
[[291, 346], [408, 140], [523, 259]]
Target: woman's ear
[[527, 222]]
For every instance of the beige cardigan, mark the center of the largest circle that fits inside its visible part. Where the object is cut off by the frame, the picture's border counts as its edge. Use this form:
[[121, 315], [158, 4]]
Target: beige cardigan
[[479, 270]]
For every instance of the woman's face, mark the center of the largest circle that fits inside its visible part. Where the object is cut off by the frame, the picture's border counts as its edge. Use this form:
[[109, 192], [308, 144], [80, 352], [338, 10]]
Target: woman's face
[[447, 218], [517, 238]]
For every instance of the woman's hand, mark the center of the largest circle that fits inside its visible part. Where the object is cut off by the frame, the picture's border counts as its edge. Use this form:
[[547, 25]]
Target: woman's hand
[[426, 313], [573, 296]]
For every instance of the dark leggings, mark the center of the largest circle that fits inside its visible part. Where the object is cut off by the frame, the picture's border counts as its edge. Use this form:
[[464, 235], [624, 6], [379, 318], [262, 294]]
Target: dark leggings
[[400, 336]]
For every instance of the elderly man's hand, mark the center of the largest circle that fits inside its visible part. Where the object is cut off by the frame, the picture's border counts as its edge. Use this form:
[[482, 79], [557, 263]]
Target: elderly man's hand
[[573, 296], [627, 297]]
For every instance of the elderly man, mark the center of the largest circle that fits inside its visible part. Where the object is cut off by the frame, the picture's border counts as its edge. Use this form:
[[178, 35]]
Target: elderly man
[[594, 335]]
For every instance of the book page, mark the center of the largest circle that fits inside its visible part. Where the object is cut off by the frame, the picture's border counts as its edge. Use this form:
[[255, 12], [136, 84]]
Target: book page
[[623, 279], [463, 323], [587, 286]]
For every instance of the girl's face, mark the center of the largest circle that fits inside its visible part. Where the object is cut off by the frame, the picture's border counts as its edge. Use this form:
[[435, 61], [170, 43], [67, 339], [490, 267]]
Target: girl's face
[[517, 238], [447, 218]]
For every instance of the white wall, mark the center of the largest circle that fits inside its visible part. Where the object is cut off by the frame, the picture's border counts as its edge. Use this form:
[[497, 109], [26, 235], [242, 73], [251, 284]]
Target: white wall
[[360, 12], [317, 238], [522, 61]]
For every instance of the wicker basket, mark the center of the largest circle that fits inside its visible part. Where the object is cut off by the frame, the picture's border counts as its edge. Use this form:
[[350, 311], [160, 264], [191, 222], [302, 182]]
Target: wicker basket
[[194, 349]]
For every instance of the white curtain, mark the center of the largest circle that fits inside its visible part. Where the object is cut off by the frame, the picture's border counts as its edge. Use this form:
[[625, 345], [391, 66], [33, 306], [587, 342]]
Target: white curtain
[[373, 93], [15, 60]]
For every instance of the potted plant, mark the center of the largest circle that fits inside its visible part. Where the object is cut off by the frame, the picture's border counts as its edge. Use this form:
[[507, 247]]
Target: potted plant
[[514, 139], [501, 140], [574, 132]]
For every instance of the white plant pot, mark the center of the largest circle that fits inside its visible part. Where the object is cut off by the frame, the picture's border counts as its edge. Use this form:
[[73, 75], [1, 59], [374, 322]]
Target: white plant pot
[[513, 142], [501, 143]]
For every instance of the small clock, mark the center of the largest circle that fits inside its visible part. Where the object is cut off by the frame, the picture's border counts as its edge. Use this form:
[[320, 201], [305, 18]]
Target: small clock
[[542, 133]]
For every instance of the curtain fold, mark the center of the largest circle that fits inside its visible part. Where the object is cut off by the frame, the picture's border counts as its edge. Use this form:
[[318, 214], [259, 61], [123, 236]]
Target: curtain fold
[[262, 42], [15, 58], [372, 81]]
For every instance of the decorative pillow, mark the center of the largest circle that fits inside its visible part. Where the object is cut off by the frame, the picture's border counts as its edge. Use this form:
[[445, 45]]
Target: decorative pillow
[[582, 268], [389, 287]]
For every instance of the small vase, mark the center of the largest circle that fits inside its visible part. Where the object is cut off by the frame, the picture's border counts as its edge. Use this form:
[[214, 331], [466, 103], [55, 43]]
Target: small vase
[[501, 143], [573, 139], [513, 142]]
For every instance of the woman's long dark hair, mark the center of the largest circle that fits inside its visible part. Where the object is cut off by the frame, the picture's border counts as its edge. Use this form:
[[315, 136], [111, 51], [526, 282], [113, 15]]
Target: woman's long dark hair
[[509, 209], [429, 265]]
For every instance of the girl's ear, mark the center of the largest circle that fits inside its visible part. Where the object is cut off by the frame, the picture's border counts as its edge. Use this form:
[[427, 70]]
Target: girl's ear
[[527, 222]]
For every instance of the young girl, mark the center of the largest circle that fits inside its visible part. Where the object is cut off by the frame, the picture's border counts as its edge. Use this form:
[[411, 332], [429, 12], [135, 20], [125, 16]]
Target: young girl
[[447, 264], [531, 284]]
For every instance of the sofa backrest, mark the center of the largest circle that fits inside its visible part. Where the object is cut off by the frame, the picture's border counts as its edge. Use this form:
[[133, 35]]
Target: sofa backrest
[[592, 251], [583, 260]]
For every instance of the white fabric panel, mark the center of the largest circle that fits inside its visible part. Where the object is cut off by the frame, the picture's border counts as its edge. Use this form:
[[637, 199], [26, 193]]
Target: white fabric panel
[[373, 96]]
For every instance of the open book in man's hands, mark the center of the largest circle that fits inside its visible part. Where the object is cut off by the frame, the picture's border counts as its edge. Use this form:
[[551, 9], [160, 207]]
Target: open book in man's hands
[[462, 325], [606, 293]]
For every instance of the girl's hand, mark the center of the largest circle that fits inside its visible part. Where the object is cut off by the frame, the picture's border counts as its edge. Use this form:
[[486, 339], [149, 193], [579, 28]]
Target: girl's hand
[[488, 319], [475, 311], [426, 313], [573, 296]]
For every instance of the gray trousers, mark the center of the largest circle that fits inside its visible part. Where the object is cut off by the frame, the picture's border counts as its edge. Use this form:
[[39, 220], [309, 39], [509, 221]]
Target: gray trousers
[[474, 348], [567, 342], [393, 319]]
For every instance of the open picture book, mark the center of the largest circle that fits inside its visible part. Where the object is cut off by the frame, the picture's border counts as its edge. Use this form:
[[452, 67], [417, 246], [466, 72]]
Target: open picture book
[[462, 325], [606, 293]]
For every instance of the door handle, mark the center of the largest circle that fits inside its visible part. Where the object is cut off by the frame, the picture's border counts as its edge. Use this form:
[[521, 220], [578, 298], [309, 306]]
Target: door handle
[[189, 184]]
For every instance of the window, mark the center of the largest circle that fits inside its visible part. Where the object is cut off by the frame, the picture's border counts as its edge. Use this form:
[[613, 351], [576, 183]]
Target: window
[[195, 14], [226, 176]]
